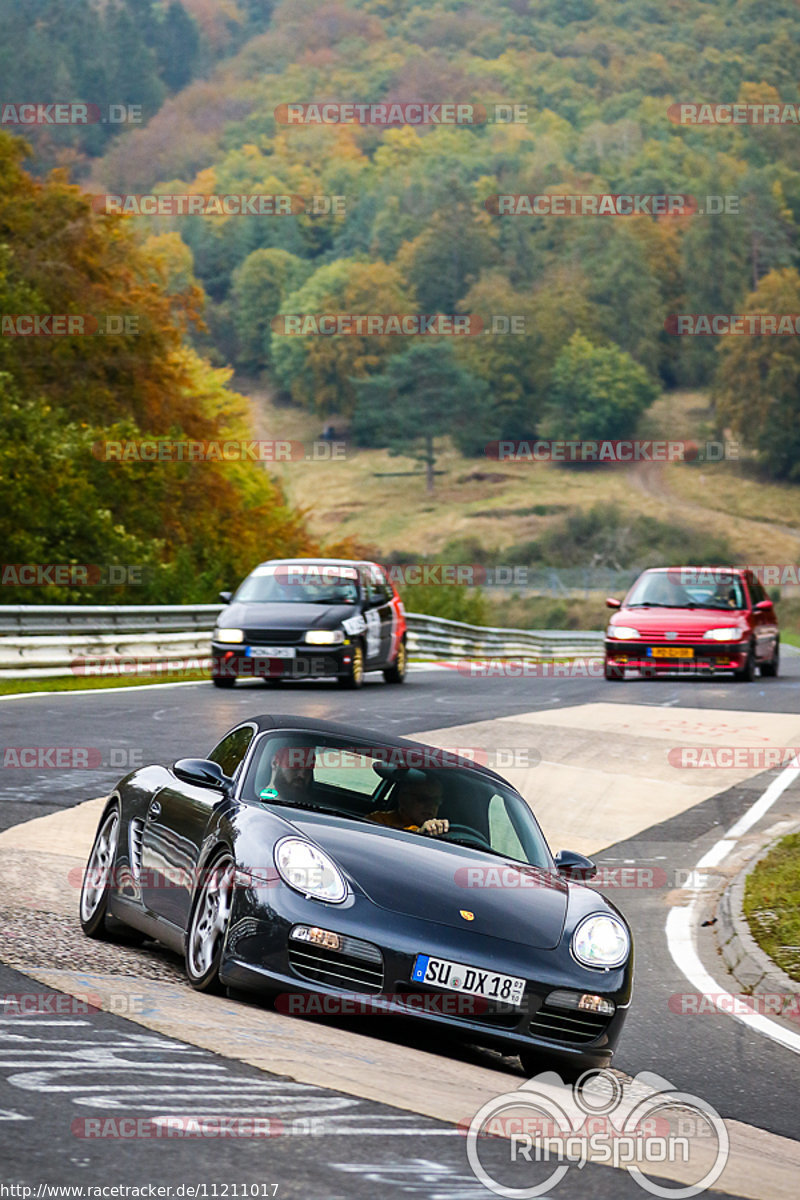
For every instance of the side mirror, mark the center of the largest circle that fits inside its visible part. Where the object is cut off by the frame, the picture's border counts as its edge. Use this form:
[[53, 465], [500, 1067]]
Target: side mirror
[[575, 866], [762, 606], [612, 603], [225, 597], [202, 772]]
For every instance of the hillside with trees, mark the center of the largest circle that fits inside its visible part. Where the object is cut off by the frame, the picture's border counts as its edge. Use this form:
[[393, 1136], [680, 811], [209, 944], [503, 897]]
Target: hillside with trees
[[419, 232]]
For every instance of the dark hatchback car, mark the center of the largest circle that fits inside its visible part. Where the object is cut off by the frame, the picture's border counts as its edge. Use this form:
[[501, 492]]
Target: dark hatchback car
[[301, 618], [693, 620]]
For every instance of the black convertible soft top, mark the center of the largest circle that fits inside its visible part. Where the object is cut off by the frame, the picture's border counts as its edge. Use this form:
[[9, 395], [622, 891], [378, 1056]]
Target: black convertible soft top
[[370, 737]]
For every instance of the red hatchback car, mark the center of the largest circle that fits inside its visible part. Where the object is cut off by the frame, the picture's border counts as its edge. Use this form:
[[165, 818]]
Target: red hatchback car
[[696, 620]]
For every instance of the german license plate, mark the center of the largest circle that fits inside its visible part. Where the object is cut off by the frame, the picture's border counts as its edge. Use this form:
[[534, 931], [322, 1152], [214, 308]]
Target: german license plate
[[271, 652], [670, 651], [458, 977]]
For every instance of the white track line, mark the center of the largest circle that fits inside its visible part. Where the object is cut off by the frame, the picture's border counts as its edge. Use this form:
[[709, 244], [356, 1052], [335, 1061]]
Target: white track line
[[681, 922], [152, 687]]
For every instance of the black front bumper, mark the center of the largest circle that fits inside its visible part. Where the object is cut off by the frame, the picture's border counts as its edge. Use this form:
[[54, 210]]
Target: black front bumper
[[309, 662], [259, 956]]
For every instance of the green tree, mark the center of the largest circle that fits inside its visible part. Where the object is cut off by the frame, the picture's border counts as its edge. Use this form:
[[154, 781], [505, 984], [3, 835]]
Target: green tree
[[259, 287], [597, 392], [178, 47], [422, 395], [319, 370], [757, 384]]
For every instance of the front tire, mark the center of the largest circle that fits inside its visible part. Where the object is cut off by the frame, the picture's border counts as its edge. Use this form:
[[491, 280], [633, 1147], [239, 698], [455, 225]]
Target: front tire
[[771, 668], [97, 879], [355, 675], [223, 681], [208, 924], [396, 673], [748, 671]]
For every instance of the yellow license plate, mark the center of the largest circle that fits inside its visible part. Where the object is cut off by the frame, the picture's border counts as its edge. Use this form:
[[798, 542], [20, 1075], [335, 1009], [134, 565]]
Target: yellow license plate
[[672, 652]]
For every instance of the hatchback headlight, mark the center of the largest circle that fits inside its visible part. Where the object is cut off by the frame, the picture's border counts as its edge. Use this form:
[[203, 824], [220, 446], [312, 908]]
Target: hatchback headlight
[[229, 635], [726, 634], [601, 941], [309, 870], [324, 637], [623, 632]]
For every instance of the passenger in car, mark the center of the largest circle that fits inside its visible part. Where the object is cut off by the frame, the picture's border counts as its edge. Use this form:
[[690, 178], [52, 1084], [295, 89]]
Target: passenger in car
[[417, 803]]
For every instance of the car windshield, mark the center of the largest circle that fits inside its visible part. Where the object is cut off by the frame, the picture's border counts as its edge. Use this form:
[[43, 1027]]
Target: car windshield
[[306, 583], [356, 782], [688, 587]]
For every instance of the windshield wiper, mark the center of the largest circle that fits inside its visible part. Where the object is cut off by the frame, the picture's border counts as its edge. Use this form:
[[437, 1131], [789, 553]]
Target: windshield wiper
[[655, 604]]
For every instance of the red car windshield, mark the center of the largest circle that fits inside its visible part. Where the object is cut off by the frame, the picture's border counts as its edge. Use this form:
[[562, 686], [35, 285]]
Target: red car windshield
[[666, 589]]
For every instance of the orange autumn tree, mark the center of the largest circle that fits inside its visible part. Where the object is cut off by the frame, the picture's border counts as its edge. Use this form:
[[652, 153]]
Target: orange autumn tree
[[192, 526]]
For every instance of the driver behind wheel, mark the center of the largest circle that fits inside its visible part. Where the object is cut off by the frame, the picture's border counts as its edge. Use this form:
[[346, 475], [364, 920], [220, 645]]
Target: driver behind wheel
[[416, 808], [292, 775]]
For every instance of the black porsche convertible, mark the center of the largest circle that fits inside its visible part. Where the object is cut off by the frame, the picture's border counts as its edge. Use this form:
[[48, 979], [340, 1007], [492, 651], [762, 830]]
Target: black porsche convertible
[[360, 871]]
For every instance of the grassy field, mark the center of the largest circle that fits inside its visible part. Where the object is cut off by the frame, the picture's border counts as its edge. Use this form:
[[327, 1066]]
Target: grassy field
[[772, 904], [498, 508], [375, 498]]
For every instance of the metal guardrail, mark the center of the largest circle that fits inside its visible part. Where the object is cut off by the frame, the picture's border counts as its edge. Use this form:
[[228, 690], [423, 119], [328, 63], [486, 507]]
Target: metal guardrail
[[38, 641], [436, 637], [31, 619]]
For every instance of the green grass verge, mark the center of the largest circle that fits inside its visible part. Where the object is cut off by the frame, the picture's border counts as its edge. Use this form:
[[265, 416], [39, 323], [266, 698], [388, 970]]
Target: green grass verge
[[772, 904], [74, 683]]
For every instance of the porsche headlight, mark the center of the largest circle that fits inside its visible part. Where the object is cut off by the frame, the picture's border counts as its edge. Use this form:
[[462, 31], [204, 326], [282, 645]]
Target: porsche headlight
[[324, 637], [625, 632], [309, 870], [601, 941], [229, 635], [728, 633]]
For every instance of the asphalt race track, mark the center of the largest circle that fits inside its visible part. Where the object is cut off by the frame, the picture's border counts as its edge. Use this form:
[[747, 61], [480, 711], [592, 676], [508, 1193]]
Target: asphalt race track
[[583, 738]]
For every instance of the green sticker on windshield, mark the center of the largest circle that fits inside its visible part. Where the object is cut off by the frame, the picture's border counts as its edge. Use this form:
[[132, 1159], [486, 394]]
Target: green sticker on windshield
[[268, 794]]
